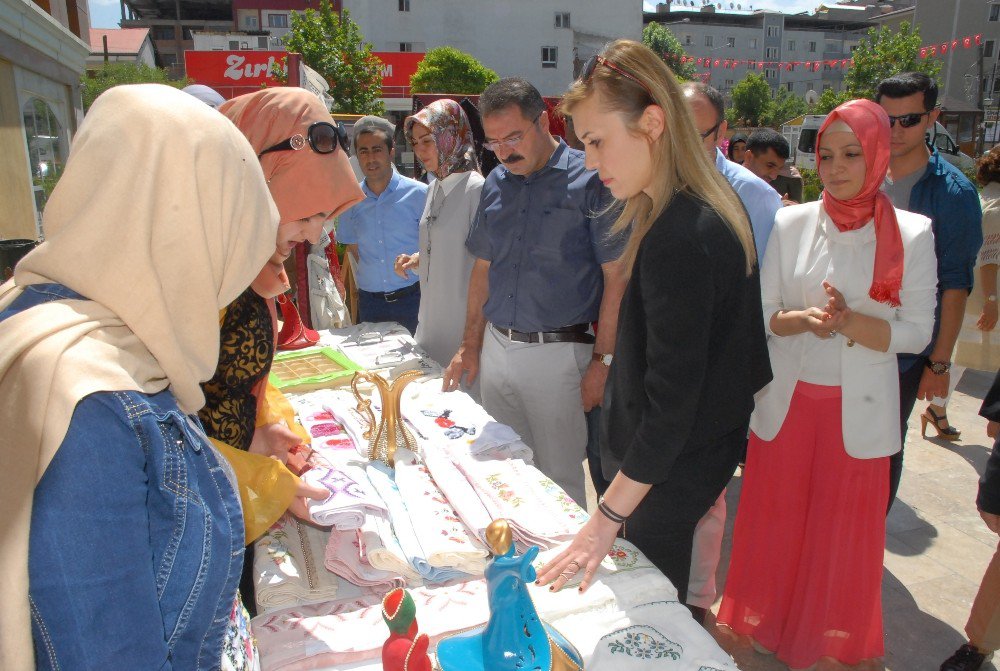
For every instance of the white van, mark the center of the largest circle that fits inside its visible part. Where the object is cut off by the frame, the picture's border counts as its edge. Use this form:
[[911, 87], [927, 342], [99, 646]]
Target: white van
[[805, 151]]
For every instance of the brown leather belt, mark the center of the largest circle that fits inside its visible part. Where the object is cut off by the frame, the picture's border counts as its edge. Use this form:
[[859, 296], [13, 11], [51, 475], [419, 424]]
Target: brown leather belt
[[576, 333]]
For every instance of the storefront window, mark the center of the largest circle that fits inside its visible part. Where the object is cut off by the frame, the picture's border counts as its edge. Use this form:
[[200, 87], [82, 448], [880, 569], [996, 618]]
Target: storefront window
[[47, 148]]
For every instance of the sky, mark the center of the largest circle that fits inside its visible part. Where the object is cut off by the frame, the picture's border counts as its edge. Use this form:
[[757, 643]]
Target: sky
[[107, 13]]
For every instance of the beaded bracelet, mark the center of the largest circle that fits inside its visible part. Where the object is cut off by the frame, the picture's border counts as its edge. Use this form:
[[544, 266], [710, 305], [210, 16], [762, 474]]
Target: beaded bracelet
[[610, 514]]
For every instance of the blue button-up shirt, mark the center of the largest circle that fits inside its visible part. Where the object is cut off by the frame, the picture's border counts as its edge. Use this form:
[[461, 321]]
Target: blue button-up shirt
[[760, 200], [951, 201], [545, 236], [383, 227]]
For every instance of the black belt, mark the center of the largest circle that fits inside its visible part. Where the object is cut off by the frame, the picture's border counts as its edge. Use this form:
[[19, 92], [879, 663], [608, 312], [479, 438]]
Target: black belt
[[576, 333], [393, 296]]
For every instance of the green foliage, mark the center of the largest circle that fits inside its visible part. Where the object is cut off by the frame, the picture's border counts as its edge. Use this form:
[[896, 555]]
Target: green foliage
[[663, 42], [829, 99], [448, 70], [100, 80], [811, 186], [884, 53], [333, 46], [752, 104], [786, 105]]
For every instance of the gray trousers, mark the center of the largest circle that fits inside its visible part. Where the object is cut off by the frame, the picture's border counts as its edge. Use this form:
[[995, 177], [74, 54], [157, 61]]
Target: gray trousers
[[535, 388]]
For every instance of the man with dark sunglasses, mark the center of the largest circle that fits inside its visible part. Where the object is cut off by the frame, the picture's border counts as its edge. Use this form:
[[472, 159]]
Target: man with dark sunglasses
[[921, 181]]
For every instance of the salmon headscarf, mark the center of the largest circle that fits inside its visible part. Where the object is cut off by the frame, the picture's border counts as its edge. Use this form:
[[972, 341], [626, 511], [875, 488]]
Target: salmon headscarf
[[870, 124], [302, 183], [452, 133]]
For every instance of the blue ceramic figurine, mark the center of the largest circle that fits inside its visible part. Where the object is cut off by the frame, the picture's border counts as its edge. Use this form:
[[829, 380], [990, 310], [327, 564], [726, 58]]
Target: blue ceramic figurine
[[514, 639]]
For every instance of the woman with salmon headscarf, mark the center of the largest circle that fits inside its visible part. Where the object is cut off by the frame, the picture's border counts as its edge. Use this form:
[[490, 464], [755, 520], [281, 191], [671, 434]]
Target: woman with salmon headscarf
[[121, 526], [442, 140], [847, 282], [301, 151]]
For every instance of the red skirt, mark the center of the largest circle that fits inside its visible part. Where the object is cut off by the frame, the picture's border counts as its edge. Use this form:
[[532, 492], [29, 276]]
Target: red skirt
[[806, 570]]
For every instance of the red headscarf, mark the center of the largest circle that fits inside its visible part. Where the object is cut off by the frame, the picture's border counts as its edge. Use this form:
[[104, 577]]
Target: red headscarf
[[871, 124]]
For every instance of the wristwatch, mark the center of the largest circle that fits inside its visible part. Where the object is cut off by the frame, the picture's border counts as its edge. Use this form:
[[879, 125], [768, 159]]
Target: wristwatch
[[603, 358], [939, 367], [992, 298]]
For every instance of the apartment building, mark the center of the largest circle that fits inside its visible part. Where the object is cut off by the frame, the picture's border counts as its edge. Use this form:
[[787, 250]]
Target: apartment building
[[763, 36]]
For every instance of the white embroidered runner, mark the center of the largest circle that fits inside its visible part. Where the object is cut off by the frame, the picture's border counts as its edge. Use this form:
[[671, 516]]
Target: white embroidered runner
[[286, 568]]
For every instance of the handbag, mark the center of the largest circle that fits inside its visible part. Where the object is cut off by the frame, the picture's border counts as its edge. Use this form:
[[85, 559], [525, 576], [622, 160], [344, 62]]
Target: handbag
[[293, 334]]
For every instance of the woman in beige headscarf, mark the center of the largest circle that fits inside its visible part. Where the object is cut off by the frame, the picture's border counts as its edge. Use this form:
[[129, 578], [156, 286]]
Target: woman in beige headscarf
[[161, 218]]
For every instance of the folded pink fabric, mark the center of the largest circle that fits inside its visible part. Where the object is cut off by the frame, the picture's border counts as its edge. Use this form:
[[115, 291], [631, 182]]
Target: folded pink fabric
[[343, 557]]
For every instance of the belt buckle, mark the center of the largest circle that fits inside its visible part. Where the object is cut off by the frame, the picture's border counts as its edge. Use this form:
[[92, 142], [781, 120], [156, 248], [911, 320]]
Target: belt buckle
[[389, 296]]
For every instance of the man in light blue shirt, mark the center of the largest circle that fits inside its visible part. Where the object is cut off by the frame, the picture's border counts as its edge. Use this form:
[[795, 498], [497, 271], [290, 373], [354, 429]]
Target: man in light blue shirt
[[381, 227], [761, 203], [760, 200]]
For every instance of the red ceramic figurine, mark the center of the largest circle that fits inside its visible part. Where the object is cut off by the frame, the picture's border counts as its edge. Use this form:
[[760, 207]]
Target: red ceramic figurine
[[405, 649]]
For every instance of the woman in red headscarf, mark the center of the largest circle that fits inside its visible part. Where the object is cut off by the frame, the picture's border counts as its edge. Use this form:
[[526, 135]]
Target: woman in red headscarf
[[847, 282]]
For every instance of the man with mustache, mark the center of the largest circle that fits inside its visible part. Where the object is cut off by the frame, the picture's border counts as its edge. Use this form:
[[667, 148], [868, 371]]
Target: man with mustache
[[545, 271]]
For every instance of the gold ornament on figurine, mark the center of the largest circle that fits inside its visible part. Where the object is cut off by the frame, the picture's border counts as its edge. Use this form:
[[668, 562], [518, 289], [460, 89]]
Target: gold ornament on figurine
[[390, 433]]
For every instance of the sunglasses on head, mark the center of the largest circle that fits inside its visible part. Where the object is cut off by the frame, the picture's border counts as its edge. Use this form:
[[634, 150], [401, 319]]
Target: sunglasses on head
[[596, 59], [907, 120], [322, 136]]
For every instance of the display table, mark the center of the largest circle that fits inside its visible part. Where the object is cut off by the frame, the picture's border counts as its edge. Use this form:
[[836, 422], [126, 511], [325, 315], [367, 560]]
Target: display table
[[421, 525]]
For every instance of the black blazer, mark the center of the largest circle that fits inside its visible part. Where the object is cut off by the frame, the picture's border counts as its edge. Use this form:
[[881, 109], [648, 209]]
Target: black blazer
[[691, 349], [988, 499]]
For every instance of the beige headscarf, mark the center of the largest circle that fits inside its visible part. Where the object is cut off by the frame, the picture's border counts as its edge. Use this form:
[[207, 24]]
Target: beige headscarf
[[161, 218]]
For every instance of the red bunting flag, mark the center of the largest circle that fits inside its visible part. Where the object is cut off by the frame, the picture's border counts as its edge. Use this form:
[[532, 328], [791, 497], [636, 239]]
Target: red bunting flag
[[923, 52], [699, 61], [954, 45], [979, 39], [967, 42], [944, 47]]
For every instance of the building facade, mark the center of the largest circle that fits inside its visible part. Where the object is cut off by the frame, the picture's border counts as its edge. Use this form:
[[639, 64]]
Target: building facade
[[965, 84], [544, 41], [759, 40], [43, 52], [120, 45]]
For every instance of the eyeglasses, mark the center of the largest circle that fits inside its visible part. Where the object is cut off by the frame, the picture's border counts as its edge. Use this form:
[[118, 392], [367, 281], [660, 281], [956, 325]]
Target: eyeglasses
[[596, 59], [711, 130], [907, 120], [322, 136], [511, 142]]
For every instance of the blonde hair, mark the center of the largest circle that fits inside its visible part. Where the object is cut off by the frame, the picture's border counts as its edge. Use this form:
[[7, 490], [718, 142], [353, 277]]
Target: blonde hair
[[680, 161]]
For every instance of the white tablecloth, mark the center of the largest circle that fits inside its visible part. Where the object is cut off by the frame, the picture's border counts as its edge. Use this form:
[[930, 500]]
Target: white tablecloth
[[628, 619]]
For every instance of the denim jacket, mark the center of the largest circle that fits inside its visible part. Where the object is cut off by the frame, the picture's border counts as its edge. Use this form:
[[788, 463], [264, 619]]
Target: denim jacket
[[136, 537]]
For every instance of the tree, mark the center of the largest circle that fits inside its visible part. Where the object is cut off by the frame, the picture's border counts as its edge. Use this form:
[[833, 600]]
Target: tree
[[786, 105], [112, 74], [448, 70], [333, 46], [885, 53], [668, 47], [829, 99], [752, 104]]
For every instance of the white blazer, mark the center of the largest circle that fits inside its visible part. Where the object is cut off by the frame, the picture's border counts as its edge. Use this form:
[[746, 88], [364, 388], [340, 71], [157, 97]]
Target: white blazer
[[799, 245]]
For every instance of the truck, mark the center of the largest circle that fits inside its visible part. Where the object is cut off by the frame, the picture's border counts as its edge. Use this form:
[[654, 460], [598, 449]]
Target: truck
[[803, 143]]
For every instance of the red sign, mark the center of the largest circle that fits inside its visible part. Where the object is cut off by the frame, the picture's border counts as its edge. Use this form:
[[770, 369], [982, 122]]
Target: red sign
[[232, 68], [398, 67]]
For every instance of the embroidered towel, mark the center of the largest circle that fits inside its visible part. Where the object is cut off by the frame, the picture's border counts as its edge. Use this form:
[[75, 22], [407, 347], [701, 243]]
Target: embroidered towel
[[447, 542], [381, 477], [460, 494], [380, 548], [286, 567], [351, 494]]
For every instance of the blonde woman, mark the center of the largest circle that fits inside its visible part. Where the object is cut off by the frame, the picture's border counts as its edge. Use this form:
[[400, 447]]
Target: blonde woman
[[690, 350]]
